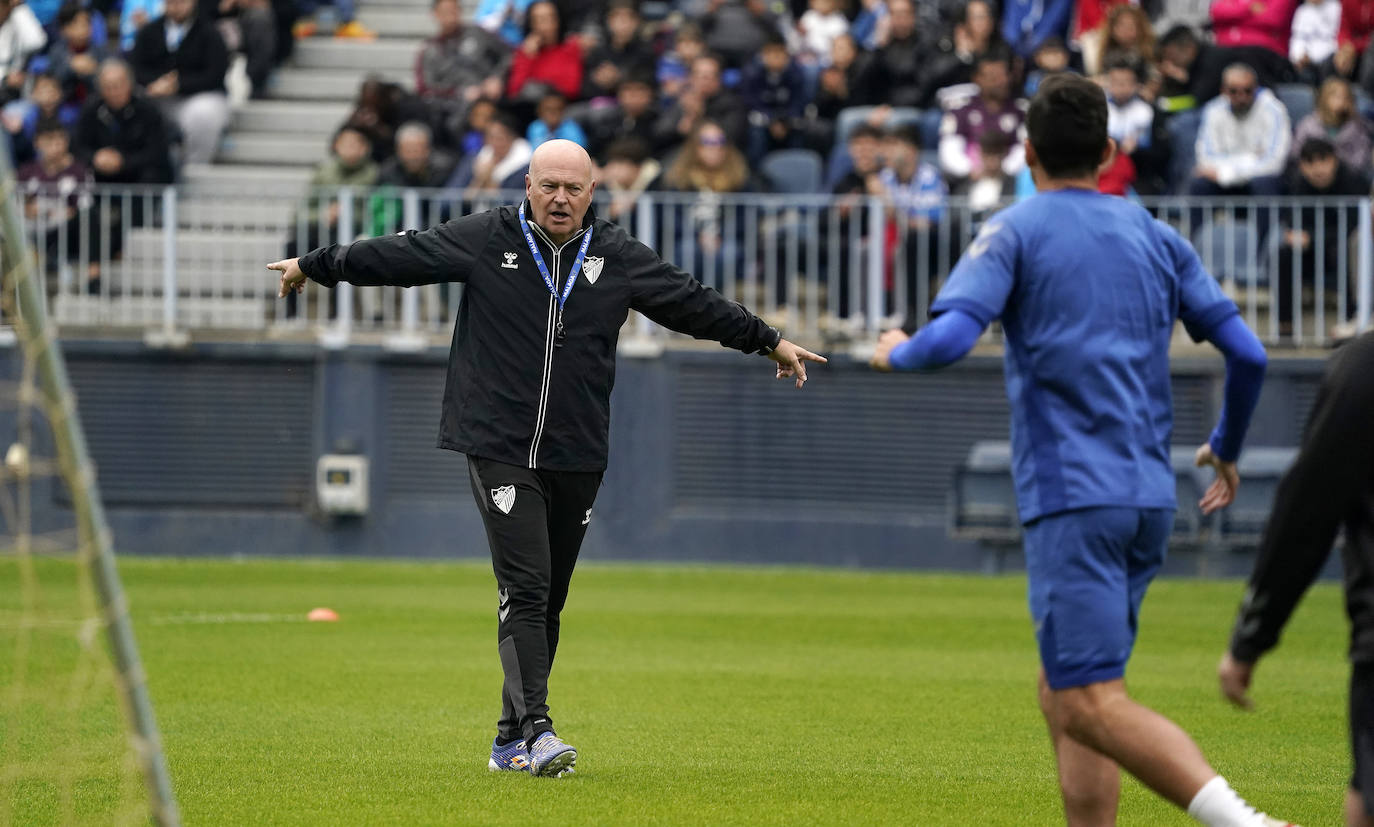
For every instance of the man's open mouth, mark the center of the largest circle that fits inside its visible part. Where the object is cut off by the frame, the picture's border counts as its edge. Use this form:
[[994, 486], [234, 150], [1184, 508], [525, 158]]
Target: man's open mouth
[[559, 214]]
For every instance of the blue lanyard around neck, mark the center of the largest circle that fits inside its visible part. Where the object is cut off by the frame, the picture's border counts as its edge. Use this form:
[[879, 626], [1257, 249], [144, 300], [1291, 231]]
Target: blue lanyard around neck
[[544, 269]]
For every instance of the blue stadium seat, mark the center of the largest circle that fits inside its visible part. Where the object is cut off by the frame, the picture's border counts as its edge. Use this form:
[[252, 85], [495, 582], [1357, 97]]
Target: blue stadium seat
[[1260, 471], [1299, 98], [795, 171], [983, 499]]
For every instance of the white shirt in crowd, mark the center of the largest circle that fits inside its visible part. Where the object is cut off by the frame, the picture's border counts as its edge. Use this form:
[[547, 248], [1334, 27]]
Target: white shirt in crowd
[[1315, 26], [820, 30], [1242, 149], [1130, 121]]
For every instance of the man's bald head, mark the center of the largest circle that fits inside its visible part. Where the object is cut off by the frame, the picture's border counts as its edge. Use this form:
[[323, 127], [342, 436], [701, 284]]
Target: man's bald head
[[560, 186], [561, 154]]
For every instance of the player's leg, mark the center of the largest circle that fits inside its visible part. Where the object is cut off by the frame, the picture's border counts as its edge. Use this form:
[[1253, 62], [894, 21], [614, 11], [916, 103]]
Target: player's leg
[[512, 503], [1076, 568], [1126, 547], [1089, 782], [1358, 812], [571, 497]]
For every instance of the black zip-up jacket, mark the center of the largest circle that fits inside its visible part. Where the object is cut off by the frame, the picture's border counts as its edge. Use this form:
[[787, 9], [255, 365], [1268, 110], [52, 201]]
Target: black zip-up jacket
[[1330, 486], [512, 395]]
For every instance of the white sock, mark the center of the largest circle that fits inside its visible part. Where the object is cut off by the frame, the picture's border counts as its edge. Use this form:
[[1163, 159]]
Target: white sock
[[1217, 805]]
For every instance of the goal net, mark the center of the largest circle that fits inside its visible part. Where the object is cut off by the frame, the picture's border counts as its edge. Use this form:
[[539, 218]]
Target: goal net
[[78, 742]]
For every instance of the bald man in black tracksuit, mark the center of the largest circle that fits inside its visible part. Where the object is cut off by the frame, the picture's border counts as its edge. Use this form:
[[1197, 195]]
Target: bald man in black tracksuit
[[548, 287]]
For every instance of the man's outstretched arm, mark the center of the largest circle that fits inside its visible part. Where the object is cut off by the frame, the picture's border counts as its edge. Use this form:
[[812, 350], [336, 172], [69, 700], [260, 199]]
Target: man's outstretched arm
[[405, 259], [671, 297]]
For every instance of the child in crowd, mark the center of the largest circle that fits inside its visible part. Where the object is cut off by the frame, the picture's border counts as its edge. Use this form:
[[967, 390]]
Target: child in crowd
[[474, 133], [676, 63], [1129, 122], [819, 26], [550, 122], [775, 92], [72, 58], [1051, 58], [1315, 26]]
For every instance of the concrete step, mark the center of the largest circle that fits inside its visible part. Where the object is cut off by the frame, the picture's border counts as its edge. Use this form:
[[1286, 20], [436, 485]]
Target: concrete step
[[148, 311], [235, 257], [294, 117], [259, 148], [380, 55], [227, 213], [398, 21], [218, 179], [329, 84]]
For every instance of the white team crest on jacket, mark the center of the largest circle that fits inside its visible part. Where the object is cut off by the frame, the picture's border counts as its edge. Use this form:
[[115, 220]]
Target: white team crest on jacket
[[591, 268], [510, 262], [504, 498]]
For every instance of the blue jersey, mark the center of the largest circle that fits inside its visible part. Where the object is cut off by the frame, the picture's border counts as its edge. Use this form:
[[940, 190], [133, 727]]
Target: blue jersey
[[1088, 288]]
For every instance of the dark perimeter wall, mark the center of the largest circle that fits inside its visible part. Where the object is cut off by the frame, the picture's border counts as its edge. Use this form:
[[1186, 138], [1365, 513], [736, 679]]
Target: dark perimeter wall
[[211, 450]]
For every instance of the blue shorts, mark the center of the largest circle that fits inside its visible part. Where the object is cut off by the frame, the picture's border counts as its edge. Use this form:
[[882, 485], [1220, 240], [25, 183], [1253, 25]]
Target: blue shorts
[[1088, 571]]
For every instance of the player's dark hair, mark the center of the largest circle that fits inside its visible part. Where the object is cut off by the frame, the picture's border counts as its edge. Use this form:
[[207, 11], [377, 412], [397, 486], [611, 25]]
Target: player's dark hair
[[1315, 149], [906, 133], [69, 11], [1067, 125], [865, 130]]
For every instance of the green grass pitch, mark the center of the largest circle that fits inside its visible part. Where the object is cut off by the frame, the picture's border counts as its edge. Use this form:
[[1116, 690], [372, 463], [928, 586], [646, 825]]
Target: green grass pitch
[[694, 695]]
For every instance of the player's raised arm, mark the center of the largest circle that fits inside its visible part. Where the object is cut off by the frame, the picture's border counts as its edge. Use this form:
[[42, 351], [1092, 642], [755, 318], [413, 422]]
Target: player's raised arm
[[405, 259]]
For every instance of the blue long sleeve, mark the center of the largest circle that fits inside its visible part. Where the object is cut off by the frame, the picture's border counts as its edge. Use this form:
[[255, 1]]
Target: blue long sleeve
[[1245, 364], [945, 340]]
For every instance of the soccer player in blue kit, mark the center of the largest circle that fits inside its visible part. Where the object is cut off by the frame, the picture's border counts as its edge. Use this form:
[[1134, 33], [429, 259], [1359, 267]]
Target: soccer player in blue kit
[[1088, 287]]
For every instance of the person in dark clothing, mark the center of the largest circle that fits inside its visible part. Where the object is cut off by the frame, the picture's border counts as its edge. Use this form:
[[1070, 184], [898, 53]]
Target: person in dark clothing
[[621, 53], [56, 189], [548, 287], [121, 136], [1329, 488], [73, 59], [1189, 71], [775, 92], [180, 61], [1314, 229], [633, 115], [460, 64], [737, 29], [859, 184], [703, 99], [954, 54], [900, 66]]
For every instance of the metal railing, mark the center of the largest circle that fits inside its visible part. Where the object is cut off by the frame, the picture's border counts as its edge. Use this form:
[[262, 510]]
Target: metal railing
[[823, 267]]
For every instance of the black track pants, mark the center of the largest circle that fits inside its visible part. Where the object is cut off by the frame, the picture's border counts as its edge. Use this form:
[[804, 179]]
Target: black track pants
[[535, 522]]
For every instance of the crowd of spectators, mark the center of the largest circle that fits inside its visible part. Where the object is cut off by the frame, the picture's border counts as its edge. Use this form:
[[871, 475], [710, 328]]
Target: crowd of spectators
[[912, 100], [1198, 94]]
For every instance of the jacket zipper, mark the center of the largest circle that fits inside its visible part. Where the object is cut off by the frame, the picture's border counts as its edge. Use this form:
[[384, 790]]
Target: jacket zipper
[[552, 318]]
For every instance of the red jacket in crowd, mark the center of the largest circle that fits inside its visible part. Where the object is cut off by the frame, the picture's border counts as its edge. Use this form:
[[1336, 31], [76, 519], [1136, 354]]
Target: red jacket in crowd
[[1357, 23], [560, 66], [1267, 23]]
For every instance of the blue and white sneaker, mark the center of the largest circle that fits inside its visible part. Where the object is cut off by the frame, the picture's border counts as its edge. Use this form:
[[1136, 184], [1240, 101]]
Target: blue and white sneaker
[[550, 757], [513, 757]]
